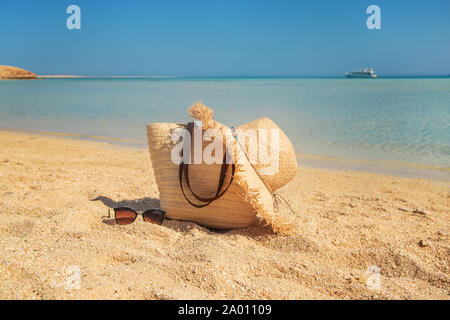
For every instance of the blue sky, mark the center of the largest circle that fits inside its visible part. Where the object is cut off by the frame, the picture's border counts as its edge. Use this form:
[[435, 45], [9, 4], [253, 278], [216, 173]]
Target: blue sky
[[226, 38]]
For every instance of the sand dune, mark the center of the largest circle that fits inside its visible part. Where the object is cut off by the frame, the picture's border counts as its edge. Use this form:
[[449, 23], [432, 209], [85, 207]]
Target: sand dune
[[14, 73], [55, 195]]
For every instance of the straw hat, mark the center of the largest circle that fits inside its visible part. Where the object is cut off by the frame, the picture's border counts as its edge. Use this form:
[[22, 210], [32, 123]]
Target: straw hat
[[251, 185]]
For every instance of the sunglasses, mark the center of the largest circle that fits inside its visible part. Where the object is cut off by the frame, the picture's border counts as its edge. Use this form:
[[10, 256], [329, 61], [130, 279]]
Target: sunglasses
[[124, 215]]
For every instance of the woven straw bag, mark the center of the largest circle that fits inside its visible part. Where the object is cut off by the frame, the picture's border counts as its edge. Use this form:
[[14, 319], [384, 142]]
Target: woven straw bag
[[249, 191]]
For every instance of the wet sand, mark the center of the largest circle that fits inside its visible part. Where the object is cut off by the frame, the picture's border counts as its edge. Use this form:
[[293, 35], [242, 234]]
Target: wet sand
[[357, 235]]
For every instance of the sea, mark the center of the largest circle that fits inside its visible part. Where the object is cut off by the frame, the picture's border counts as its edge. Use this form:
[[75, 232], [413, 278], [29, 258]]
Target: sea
[[394, 125]]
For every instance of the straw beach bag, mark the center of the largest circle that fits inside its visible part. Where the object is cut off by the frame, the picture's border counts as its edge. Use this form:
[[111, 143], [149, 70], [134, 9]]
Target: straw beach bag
[[220, 195]]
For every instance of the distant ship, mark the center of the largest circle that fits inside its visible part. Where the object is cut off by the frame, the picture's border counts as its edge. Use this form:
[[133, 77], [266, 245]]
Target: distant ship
[[366, 73]]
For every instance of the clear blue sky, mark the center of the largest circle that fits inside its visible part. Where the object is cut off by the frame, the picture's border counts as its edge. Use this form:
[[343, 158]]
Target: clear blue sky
[[213, 38]]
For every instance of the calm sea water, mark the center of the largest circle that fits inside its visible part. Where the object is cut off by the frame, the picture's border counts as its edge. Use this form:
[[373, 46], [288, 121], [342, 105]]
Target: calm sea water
[[396, 119]]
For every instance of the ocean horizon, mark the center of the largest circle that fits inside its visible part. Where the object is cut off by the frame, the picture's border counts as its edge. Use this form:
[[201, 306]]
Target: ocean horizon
[[389, 119], [74, 76]]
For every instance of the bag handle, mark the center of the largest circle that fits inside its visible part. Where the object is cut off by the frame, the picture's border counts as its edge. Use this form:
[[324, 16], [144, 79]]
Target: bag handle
[[184, 170]]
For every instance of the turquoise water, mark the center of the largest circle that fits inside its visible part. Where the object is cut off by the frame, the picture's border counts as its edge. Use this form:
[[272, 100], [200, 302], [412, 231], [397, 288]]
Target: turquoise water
[[397, 119]]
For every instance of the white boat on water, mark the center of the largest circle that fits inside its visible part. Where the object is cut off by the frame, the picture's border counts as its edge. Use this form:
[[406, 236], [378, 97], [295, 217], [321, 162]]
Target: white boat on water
[[365, 73]]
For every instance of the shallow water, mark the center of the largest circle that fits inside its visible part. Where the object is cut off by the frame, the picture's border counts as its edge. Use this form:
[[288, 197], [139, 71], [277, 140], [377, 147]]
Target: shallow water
[[395, 119]]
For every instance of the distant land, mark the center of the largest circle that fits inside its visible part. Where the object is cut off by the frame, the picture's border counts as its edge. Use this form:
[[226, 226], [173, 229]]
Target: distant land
[[14, 73], [75, 76], [60, 76]]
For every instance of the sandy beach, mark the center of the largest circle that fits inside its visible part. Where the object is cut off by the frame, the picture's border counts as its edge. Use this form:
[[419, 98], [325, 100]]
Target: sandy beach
[[55, 194]]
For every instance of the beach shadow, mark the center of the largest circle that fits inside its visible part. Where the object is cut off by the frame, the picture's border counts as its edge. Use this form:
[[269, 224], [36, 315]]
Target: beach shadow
[[259, 229], [136, 204]]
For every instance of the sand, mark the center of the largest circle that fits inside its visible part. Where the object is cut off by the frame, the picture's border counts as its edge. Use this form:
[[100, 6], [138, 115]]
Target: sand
[[357, 235], [14, 73]]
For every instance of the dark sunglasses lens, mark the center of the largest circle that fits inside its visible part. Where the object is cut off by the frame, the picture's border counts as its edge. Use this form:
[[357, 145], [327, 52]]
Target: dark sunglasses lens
[[154, 216], [125, 215]]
